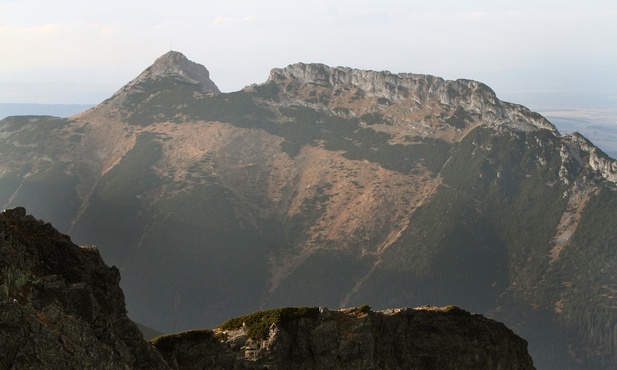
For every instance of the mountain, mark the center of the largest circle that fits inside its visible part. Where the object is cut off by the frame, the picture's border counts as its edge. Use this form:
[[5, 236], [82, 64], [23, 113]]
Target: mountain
[[332, 187], [59, 110], [61, 308]]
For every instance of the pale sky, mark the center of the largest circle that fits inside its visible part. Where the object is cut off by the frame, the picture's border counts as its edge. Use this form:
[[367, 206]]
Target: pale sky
[[71, 51]]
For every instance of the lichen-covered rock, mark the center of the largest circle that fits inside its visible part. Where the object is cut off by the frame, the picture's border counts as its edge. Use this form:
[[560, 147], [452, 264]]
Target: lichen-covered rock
[[60, 306], [318, 338]]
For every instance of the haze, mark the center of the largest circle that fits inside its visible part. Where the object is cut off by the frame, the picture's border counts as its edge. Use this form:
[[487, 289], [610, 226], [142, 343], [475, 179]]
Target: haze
[[538, 53]]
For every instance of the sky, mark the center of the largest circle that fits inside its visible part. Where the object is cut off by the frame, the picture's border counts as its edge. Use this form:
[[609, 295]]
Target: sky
[[70, 51]]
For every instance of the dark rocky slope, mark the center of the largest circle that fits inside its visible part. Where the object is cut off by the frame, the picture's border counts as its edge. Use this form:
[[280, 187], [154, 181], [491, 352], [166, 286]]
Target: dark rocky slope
[[61, 308]]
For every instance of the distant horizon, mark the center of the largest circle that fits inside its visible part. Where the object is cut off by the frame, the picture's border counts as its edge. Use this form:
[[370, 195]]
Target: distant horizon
[[94, 48], [553, 84]]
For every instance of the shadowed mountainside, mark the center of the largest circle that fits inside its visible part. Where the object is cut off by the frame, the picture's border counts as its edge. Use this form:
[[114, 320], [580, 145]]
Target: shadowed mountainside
[[332, 187], [61, 308]]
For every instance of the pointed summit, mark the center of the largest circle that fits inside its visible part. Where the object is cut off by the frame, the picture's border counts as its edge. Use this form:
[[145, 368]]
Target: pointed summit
[[174, 64]]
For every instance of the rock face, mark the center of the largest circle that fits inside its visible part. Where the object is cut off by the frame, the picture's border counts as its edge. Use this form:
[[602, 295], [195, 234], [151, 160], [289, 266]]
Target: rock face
[[60, 306], [317, 338], [175, 65], [475, 98]]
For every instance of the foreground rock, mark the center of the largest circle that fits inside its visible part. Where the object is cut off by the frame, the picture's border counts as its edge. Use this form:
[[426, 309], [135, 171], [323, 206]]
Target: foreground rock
[[60, 306], [317, 338]]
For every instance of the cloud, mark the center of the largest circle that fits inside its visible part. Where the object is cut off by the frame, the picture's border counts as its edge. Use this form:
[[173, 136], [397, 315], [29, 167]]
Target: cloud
[[465, 16], [480, 15], [106, 30], [219, 20], [473, 15], [53, 29], [42, 30], [52, 42]]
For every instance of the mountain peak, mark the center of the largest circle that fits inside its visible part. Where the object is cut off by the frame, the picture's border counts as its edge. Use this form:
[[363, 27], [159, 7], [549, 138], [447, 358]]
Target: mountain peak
[[176, 65], [171, 55], [417, 90]]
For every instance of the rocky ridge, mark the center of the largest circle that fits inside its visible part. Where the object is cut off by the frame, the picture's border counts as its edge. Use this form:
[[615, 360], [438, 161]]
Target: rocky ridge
[[584, 152], [355, 338], [477, 99]]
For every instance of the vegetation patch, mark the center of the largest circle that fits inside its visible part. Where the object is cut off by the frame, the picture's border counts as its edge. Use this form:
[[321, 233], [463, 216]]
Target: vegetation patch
[[258, 323], [374, 118], [460, 118], [303, 126], [455, 310], [133, 175], [168, 341]]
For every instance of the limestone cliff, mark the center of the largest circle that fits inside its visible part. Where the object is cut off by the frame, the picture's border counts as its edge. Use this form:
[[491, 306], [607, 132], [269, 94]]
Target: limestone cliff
[[476, 99]]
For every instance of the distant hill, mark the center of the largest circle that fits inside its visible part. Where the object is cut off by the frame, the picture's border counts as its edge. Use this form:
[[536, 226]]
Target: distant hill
[[332, 186], [57, 110]]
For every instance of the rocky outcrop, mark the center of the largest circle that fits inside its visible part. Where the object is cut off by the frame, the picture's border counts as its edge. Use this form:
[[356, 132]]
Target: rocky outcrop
[[585, 153], [318, 338], [60, 306], [474, 97], [176, 65]]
